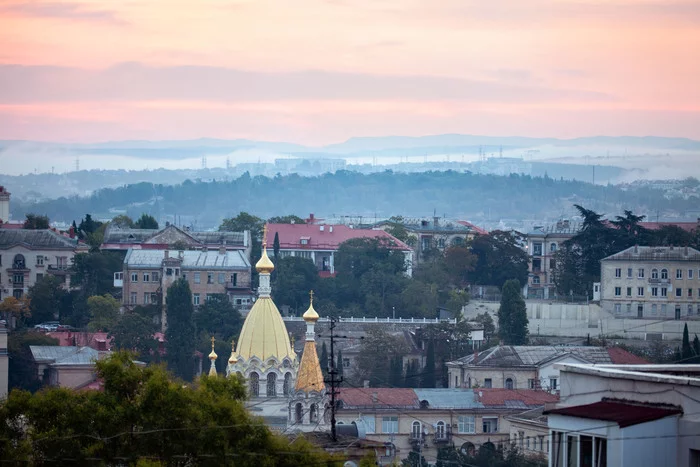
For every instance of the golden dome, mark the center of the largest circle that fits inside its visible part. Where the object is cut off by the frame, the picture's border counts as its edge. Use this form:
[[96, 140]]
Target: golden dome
[[264, 334], [310, 316], [233, 358], [264, 265], [212, 354], [310, 377]]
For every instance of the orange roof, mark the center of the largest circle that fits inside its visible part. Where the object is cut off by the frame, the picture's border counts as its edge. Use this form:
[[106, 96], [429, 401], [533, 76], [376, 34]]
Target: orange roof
[[491, 397], [620, 356]]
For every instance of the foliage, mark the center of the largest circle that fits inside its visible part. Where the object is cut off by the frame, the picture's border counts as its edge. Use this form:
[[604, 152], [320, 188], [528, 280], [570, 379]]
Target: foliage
[[18, 308], [22, 372], [134, 333], [376, 351], [217, 316], [458, 298], [94, 271], [46, 299], [512, 315], [276, 246], [412, 374], [36, 222], [397, 229], [146, 221], [486, 321], [487, 455], [428, 378], [396, 378], [339, 368], [294, 278], [288, 219], [123, 222], [323, 359], [459, 263], [180, 333], [449, 341], [414, 459], [369, 460], [143, 414], [243, 221], [686, 349], [104, 312], [499, 258]]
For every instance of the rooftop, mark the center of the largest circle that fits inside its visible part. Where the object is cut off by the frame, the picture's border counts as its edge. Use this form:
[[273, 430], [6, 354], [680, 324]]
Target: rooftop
[[322, 236], [655, 253], [57, 355], [36, 239], [115, 236], [191, 259], [685, 375], [437, 224], [535, 355], [623, 413]]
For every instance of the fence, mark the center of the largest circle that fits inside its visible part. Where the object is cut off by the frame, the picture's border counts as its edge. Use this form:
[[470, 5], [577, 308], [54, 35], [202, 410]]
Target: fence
[[379, 320]]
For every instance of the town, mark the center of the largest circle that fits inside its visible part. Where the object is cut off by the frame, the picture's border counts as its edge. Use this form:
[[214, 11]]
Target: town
[[412, 341]]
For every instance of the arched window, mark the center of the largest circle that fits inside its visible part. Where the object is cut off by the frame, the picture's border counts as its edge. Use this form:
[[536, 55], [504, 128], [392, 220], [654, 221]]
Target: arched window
[[271, 385], [664, 273], [468, 449], [287, 386], [298, 413], [19, 262], [415, 429], [552, 247], [313, 414], [254, 384], [654, 273], [509, 383], [440, 430], [457, 241]]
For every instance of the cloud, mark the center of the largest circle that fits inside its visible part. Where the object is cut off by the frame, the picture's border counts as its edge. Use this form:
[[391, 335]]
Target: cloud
[[58, 10], [136, 82]]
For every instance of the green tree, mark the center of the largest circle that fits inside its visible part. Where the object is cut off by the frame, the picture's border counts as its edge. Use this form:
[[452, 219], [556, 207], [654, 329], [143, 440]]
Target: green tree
[[22, 372], [376, 351], [180, 333], [324, 359], [458, 298], [123, 221], [414, 459], [459, 263], [294, 277], [289, 219], [134, 332], [486, 321], [94, 272], [276, 246], [686, 349], [88, 226], [146, 221], [217, 316], [428, 379], [397, 229], [396, 372], [243, 221], [36, 222], [512, 315], [46, 299], [412, 374], [339, 364], [696, 346], [104, 312], [499, 258]]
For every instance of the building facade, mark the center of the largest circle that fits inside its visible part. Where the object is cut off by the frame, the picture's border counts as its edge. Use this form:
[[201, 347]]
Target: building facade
[[542, 244], [4, 362], [4, 205], [26, 256], [147, 275], [651, 282]]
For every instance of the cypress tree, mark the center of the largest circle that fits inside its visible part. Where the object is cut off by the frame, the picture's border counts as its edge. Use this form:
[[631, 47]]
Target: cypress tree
[[512, 315], [428, 376], [339, 364], [276, 245], [396, 374], [686, 350], [324, 359], [180, 334], [696, 346]]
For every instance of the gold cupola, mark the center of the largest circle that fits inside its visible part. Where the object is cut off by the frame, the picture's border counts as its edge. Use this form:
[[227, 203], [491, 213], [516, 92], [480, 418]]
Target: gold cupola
[[264, 264], [233, 358], [310, 316], [212, 358], [310, 376]]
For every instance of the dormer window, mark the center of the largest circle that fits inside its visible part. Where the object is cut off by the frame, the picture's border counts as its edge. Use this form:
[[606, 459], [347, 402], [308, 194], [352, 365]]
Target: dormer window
[[304, 240]]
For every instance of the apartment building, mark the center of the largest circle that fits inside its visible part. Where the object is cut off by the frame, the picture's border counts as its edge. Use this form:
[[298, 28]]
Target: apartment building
[[4, 362], [147, 275], [542, 244], [28, 255], [651, 282], [428, 419]]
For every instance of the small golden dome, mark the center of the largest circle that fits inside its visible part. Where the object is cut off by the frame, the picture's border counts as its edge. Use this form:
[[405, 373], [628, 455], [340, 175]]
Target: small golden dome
[[310, 316], [233, 358], [212, 355], [264, 264]]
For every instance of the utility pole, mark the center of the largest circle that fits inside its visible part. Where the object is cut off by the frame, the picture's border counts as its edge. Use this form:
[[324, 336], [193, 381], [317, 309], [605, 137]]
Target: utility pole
[[333, 379]]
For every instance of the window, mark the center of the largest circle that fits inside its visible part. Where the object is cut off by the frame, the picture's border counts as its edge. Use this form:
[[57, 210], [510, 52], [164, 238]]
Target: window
[[640, 291], [654, 273], [271, 385], [132, 298], [18, 262], [664, 292], [489, 424], [640, 311], [195, 299], [168, 271], [209, 297], [629, 308], [581, 451], [679, 274], [618, 272], [629, 291], [488, 383], [536, 279], [234, 279], [629, 273], [197, 277], [663, 309], [541, 442], [210, 278], [553, 384], [39, 277], [532, 383], [537, 249], [346, 363], [155, 277], [690, 293], [618, 308], [690, 273], [286, 386], [653, 309], [440, 432], [254, 383], [509, 383], [40, 260], [467, 424], [222, 278], [146, 277], [679, 292], [369, 422], [390, 424], [304, 241], [552, 247], [441, 243], [654, 291], [664, 273], [415, 430], [146, 298], [618, 291], [134, 277], [690, 310], [313, 413], [640, 273], [678, 312], [527, 443]]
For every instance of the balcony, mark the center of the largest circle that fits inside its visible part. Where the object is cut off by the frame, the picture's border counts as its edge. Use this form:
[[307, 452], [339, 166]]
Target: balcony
[[444, 437], [58, 269], [417, 439], [236, 286], [659, 281]]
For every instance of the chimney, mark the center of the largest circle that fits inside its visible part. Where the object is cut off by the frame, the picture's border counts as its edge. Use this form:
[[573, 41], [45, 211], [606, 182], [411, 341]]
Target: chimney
[[71, 232], [167, 254], [311, 218], [330, 228], [436, 219], [374, 398], [222, 250], [322, 228], [476, 357], [365, 383]]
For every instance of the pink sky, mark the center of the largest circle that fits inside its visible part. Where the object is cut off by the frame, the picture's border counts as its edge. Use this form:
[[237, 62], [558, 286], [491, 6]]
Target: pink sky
[[321, 71]]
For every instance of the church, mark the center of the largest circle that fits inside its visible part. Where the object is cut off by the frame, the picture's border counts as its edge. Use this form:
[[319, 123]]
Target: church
[[287, 392]]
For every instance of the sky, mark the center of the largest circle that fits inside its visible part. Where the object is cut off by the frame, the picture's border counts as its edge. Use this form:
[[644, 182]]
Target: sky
[[321, 71]]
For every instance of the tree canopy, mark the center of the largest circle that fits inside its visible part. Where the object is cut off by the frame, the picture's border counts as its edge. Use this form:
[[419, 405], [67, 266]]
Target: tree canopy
[[512, 315], [36, 222], [146, 221], [180, 333]]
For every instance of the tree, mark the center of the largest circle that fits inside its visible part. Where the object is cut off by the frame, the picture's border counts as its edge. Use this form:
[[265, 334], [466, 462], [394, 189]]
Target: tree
[[397, 229], [36, 222], [142, 414], [87, 226], [414, 459], [19, 308], [499, 258], [217, 316], [396, 379], [243, 221], [180, 333], [376, 351], [696, 346], [94, 272], [339, 368], [459, 262], [487, 322], [146, 221], [412, 374], [134, 332], [289, 219], [22, 368], [458, 298], [123, 221], [686, 349], [294, 277], [276, 246], [104, 312], [512, 315], [324, 359], [46, 297], [428, 379]]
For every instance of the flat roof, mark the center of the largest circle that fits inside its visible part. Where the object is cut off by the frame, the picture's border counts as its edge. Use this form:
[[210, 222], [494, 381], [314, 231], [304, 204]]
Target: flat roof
[[652, 373], [622, 413]]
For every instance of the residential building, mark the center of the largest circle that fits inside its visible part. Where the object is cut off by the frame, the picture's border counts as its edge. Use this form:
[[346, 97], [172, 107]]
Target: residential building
[[173, 237], [28, 255], [529, 433], [147, 274], [527, 367], [427, 419], [542, 244], [613, 415], [65, 366], [651, 282], [4, 205], [100, 341], [4, 361], [320, 242], [437, 233]]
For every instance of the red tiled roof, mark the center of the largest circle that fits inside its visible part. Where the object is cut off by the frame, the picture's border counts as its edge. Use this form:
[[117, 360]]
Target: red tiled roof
[[500, 397], [624, 414], [378, 397], [476, 229], [329, 238], [82, 339], [687, 226], [621, 356]]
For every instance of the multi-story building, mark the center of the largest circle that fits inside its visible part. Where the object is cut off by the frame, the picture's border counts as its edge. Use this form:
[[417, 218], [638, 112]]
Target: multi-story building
[[428, 419], [147, 275], [4, 361], [28, 255], [651, 282], [320, 242], [529, 432], [542, 244], [531, 367], [4, 205]]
